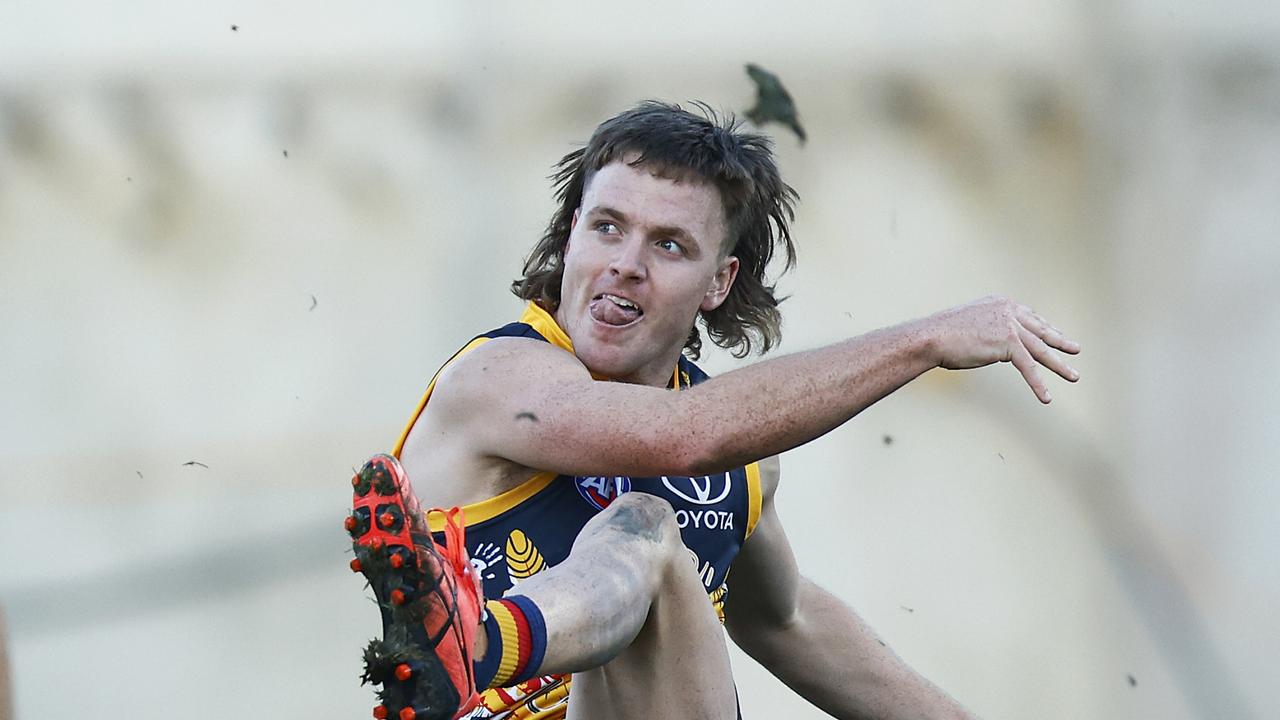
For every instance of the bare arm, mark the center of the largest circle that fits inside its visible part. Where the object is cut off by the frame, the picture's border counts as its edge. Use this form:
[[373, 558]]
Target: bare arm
[[813, 642], [568, 423]]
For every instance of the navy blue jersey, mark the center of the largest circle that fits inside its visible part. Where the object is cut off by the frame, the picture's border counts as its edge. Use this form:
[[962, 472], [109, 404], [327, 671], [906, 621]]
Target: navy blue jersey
[[531, 527]]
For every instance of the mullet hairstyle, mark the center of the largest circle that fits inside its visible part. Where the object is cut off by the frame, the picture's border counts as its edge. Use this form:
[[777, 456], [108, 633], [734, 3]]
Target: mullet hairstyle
[[679, 144]]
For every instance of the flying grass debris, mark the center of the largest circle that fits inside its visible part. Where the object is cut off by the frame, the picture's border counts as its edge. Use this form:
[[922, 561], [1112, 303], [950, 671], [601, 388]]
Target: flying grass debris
[[773, 102]]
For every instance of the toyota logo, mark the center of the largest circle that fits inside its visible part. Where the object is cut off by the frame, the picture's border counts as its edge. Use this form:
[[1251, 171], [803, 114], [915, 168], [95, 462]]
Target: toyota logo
[[699, 490]]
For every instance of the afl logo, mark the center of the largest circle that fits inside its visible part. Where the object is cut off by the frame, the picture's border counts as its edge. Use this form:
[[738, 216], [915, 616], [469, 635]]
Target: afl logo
[[600, 491], [705, 490]]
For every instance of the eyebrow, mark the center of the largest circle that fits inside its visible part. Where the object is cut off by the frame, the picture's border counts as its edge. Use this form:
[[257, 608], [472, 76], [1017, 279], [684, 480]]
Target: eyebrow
[[671, 230]]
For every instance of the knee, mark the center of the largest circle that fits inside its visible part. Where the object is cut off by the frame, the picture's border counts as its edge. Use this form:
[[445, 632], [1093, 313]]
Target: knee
[[651, 506], [644, 515], [641, 530]]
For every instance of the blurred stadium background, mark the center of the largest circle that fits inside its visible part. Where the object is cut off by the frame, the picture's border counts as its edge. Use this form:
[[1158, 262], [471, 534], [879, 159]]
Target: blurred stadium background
[[244, 235]]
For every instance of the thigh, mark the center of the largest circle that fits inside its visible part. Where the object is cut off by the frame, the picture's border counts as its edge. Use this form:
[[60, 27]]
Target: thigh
[[677, 667]]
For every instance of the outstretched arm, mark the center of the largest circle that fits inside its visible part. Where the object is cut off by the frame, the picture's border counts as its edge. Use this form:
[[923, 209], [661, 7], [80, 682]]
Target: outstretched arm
[[813, 642], [568, 423]]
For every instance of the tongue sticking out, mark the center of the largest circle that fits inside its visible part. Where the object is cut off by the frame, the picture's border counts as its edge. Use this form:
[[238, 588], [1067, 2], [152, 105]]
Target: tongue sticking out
[[611, 313]]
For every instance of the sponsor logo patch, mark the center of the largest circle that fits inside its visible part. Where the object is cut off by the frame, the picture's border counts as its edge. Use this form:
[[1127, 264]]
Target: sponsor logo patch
[[705, 490], [704, 519]]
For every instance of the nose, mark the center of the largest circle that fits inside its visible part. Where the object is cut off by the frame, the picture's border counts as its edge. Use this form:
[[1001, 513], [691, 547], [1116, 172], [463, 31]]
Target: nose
[[629, 261]]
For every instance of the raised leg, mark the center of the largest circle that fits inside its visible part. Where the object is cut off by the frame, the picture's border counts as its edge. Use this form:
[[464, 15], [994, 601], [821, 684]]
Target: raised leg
[[626, 613]]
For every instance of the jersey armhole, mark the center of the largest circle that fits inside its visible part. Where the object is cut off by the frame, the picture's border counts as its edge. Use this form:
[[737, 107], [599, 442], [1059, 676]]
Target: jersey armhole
[[754, 498], [422, 404], [486, 510]]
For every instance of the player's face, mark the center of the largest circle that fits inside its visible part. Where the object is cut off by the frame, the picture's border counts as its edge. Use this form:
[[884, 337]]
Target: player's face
[[644, 256]]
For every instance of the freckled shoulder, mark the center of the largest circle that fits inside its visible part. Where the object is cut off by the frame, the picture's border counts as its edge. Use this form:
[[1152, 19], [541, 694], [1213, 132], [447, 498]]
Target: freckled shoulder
[[516, 358], [479, 368]]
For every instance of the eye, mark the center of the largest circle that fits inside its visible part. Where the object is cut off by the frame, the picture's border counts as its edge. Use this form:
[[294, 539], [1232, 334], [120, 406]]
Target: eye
[[605, 227], [671, 246]]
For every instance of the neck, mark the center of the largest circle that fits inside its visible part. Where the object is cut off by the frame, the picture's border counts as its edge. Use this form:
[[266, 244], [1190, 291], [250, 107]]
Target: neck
[[659, 373]]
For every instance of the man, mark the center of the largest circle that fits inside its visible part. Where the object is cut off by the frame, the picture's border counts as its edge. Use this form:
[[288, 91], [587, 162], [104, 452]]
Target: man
[[599, 515]]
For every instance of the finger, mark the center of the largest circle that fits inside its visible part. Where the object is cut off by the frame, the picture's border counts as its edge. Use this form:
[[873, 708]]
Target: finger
[[1055, 339], [1027, 366], [1051, 335], [1046, 357]]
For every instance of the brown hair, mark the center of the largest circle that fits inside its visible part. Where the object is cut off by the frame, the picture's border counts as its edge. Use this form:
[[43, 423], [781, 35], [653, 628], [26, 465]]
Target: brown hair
[[758, 208]]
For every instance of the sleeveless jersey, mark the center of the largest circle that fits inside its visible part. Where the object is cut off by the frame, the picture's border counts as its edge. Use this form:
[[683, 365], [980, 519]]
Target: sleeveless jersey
[[532, 526]]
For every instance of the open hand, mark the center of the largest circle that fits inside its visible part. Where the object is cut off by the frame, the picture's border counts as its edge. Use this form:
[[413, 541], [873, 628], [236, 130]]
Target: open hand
[[996, 329]]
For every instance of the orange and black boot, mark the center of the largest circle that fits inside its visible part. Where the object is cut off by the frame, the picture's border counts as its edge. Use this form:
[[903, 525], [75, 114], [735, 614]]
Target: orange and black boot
[[430, 598]]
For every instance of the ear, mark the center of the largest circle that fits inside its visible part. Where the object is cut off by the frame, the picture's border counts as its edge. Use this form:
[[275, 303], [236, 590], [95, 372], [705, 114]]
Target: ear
[[720, 284]]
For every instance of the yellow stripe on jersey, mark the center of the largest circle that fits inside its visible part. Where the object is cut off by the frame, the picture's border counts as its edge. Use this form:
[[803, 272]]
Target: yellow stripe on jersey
[[498, 504], [538, 319], [753, 498], [510, 643]]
